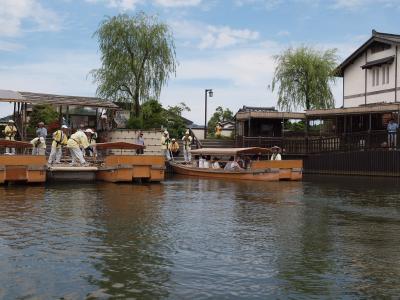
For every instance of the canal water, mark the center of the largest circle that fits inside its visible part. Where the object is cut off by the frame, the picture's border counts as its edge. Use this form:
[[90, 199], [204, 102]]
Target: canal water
[[325, 237]]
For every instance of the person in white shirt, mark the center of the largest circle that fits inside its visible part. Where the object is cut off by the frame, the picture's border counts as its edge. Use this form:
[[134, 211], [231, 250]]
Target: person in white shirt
[[275, 153], [201, 162], [232, 165], [215, 163], [207, 162]]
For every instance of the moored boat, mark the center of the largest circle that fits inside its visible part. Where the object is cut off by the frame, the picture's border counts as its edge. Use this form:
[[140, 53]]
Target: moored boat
[[257, 169]]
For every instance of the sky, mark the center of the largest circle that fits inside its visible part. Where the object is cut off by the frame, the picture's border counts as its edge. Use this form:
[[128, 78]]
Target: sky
[[48, 46]]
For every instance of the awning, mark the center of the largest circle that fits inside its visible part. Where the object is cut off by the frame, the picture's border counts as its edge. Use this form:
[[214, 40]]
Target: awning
[[378, 62], [230, 151]]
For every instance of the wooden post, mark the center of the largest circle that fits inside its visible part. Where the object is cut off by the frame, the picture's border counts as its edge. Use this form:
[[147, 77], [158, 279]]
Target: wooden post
[[67, 117]]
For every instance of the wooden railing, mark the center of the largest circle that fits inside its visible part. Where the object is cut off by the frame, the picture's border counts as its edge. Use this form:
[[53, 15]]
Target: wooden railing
[[322, 144]]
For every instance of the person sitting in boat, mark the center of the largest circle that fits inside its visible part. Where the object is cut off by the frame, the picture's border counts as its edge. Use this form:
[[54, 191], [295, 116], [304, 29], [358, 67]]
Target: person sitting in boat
[[39, 146], [207, 162], [215, 163], [174, 148], [275, 153], [60, 139], [232, 165], [195, 162], [202, 161]]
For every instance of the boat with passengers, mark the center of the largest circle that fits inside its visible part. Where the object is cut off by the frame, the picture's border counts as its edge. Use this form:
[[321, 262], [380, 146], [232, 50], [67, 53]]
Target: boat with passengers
[[252, 163]]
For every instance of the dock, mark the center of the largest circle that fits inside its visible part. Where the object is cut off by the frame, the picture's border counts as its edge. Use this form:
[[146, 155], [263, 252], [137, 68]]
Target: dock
[[113, 168]]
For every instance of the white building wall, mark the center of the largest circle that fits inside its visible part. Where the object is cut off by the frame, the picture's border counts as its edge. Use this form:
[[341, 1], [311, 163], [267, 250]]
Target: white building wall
[[354, 80]]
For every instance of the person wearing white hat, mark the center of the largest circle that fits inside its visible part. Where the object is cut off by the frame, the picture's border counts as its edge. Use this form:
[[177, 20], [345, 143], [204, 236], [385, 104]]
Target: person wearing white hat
[[174, 148], [41, 131], [39, 146], [59, 139], [187, 142], [10, 131], [275, 153], [165, 141], [76, 141], [91, 151]]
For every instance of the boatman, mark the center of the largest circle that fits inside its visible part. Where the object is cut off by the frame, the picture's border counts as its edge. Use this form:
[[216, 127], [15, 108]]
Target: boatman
[[187, 142], [78, 140], [41, 131], [60, 139], [218, 130], [165, 141], [174, 148], [39, 146], [10, 131], [275, 153]]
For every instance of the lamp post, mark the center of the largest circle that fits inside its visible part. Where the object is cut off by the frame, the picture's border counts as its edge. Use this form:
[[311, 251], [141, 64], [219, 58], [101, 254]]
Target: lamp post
[[208, 92]]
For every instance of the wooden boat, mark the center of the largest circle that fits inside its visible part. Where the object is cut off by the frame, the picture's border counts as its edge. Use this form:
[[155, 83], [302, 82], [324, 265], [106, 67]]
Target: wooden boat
[[260, 170]]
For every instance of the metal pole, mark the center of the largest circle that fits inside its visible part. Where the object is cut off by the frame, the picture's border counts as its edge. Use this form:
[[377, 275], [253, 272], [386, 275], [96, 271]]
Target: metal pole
[[205, 114]]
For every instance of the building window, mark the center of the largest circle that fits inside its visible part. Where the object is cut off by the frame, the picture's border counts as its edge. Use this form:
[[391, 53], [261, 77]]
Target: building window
[[383, 74], [377, 76], [373, 76]]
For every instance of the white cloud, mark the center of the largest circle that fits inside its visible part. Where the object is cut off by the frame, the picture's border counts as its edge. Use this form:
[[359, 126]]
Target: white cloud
[[267, 4], [283, 33], [119, 4], [13, 13], [9, 46], [132, 4], [356, 4], [176, 3], [221, 37]]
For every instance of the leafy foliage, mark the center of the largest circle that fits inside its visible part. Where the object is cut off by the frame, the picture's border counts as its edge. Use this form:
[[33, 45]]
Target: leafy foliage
[[303, 77], [43, 113], [220, 115], [153, 115], [137, 55]]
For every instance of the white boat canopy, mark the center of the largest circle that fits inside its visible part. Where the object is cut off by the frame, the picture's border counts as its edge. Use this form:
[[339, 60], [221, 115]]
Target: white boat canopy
[[230, 151]]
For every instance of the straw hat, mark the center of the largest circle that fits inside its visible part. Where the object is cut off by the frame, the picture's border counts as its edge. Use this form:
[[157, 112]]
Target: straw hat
[[89, 131], [10, 121], [173, 140], [165, 132], [64, 127]]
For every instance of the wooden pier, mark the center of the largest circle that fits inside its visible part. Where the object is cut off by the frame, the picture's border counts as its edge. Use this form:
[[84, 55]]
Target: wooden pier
[[114, 168]]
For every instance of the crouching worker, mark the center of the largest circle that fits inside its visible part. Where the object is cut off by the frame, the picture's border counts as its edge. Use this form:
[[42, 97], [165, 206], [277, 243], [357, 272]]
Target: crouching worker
[[60, 139], [77, 141], [39, 146]]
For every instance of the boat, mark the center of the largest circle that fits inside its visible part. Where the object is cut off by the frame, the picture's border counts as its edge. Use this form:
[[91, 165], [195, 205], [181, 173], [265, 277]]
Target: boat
[[258, 170]]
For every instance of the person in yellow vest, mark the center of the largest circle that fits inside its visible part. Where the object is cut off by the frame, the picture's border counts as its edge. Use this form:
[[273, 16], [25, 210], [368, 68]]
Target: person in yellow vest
[[10, 131], [187, 142], [60, 139], [218, 130], [165, 141], [39, 146], [174, 148], [91, 151], [77, 141]]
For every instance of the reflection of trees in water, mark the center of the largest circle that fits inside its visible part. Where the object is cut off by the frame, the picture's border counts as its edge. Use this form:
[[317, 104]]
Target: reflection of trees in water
[[134, 242]]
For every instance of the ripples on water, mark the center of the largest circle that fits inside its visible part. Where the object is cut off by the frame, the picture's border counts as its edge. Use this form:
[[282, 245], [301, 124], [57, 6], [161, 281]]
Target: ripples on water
[[326, 237]]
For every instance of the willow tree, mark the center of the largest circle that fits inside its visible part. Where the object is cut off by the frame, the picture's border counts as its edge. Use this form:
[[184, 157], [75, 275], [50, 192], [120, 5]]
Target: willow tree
[[137, 56], [303, 77]]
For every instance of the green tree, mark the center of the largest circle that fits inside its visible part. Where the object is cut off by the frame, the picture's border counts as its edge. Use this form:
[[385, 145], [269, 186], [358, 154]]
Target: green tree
[[42, 113], [138, 57], [303, 77], [220, 115], [174, 122], [153, 115]]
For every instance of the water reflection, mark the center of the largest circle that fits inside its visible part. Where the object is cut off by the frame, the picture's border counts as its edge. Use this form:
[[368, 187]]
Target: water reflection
[[326, 237]]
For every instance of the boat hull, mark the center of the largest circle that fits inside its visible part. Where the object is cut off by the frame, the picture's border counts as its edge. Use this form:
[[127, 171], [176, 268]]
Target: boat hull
[[270, 173]]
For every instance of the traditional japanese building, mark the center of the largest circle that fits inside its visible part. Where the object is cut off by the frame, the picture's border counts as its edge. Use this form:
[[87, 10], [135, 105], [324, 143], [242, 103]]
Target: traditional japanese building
[[370, 74]]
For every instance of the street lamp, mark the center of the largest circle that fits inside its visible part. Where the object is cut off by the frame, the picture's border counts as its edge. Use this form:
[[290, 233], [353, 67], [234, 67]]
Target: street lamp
[[210, 93]]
